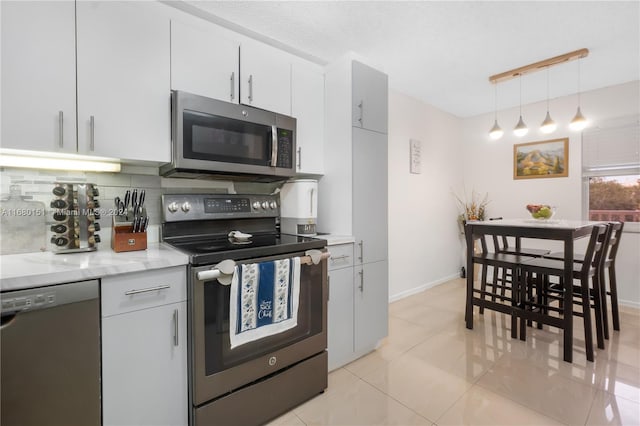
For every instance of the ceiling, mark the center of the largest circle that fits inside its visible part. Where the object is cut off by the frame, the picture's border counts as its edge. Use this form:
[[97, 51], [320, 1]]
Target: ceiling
[[443, 52]]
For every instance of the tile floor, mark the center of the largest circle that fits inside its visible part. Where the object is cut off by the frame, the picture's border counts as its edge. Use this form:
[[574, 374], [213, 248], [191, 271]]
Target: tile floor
[[431, 370]]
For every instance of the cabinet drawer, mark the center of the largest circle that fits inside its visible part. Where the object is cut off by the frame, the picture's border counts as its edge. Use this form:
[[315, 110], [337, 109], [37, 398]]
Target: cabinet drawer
[[341, 256], [140, 290]]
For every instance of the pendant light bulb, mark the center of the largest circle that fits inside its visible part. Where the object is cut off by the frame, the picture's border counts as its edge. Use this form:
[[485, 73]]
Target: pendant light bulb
[[521, 129], [579, 122], [496, 132], [548, 125]]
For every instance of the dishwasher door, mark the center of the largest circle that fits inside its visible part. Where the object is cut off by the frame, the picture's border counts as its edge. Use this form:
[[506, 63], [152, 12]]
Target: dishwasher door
[[50, 356]]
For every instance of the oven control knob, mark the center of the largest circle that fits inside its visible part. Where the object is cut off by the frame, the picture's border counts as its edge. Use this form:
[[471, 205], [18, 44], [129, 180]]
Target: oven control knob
[[273, 205], [186, 206], [256, 205], [173, 207], [265, 205]]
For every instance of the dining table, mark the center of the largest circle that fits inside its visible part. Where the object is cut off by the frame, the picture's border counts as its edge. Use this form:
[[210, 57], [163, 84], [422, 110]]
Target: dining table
[[566, 231]]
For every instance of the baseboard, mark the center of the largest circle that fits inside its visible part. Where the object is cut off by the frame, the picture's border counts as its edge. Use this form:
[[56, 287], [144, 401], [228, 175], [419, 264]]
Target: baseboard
[[629, 304], [423, 287]]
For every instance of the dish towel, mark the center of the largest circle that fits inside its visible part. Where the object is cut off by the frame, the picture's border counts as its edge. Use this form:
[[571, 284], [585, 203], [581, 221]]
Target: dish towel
[[264, 299]]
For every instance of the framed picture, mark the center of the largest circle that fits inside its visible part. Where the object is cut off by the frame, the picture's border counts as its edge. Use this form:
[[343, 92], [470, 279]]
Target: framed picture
[[544, 159]]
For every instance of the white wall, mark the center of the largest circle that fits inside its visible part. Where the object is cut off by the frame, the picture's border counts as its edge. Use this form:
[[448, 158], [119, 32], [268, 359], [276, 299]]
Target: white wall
[[424, 247], [488, 166]]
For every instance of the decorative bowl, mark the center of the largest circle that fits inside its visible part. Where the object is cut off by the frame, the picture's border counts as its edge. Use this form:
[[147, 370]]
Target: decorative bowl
[[541, 211]]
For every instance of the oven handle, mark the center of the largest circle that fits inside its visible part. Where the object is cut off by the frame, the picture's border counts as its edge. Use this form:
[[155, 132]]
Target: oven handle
[[223, 271]]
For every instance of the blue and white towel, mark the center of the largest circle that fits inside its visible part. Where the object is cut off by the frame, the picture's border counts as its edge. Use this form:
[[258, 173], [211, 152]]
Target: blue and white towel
[[264, 299]]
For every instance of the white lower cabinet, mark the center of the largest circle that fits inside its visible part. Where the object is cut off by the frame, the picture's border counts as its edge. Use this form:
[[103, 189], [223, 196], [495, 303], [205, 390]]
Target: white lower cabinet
[[144, 348], [358, 306], [371, 305], [340, 317]]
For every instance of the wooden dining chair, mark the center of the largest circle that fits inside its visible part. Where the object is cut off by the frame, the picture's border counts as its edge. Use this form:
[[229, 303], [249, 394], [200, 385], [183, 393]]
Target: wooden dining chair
[[538, 293], [608, 264], [499, 293]]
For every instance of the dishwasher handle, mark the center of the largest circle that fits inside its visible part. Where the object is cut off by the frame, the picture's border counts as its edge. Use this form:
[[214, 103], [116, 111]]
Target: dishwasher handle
[[7, 320]]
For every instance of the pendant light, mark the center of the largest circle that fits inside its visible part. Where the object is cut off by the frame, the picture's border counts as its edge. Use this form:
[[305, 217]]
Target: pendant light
[[548, 125], [521, 129], [579, 122], [496, 132]]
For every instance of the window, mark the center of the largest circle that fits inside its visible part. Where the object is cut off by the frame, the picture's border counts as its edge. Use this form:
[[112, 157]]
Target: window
[[611, 174]]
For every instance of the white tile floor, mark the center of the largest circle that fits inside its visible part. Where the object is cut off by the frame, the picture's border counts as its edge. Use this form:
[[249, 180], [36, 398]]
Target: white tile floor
[[431, 370]]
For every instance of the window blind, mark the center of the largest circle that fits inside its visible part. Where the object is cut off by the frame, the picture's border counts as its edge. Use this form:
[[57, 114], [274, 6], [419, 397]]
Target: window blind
[[613, 150]]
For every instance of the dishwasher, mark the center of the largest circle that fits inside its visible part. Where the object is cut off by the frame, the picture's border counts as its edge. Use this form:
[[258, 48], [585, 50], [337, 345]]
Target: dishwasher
[[50, 355]]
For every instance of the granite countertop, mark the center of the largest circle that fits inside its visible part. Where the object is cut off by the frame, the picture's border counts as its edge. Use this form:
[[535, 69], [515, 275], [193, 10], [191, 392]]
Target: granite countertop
[[18, 271]]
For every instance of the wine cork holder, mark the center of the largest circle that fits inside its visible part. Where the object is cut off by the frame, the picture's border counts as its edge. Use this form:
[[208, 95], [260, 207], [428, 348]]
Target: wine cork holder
[[75, 211]]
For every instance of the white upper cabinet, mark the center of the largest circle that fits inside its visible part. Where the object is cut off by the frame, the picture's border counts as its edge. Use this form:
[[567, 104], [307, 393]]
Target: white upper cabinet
[[203, 61], [370, 98], [265, 77], [307, 106], [38, 76], [123, 80]]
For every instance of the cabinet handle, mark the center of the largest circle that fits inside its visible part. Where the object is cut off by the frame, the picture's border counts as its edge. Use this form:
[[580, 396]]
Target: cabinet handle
[[361, 257], [328, 287], [299, 157], [361, 106], [233, 88], [61, 128], [361, 272], [146, 290], [92, 126], [342, 256], [175, 327], [251, 88]]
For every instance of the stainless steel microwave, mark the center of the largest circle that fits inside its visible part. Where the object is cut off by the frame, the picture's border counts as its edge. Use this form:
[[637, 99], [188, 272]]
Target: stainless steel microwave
[[215, 138]]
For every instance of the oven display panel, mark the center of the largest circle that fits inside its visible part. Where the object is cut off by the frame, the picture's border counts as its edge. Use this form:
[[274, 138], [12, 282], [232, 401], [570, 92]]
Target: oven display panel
[[227, 205]]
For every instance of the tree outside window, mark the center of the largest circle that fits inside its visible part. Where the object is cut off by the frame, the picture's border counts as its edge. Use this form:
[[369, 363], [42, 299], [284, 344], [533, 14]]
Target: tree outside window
[[614, 198]]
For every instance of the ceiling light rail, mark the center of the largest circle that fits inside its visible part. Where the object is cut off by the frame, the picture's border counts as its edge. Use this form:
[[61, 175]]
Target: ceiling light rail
[[540, 65]]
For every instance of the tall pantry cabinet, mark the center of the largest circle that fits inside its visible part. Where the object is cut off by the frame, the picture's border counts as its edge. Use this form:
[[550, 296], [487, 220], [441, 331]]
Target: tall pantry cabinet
[[354, 191]]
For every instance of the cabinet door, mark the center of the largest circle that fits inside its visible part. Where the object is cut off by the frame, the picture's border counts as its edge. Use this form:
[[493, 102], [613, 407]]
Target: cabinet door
[[370, 195], [371, 304], [38, 76], [144, 367], [265, 74], [370, 97], [340, 317], [204, 62], [123, 80], [307, 106]]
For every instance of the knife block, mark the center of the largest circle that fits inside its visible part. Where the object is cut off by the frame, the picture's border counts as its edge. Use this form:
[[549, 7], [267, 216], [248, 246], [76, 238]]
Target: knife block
[[124, 239]]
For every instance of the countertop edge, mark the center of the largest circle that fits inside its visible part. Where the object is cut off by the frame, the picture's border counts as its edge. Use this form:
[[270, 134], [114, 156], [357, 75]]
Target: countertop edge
[[30, 270]]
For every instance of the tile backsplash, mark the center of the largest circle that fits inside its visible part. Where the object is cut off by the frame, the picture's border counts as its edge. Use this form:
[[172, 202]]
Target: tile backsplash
[[36, 185]]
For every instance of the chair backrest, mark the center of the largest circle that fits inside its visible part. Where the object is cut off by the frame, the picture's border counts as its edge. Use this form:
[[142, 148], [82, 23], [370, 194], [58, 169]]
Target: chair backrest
[[614, 241], [596, 248]]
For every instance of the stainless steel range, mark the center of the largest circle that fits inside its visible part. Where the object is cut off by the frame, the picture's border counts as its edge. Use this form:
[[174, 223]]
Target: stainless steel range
[[261, 379]]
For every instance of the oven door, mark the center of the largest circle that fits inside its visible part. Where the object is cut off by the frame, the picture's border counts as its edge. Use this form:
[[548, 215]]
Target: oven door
[[216, 369]]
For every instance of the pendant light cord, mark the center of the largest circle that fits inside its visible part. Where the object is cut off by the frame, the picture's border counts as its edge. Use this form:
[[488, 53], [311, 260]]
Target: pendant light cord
[[520, 81], [495, 99], [579, 85], [547, 89]]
